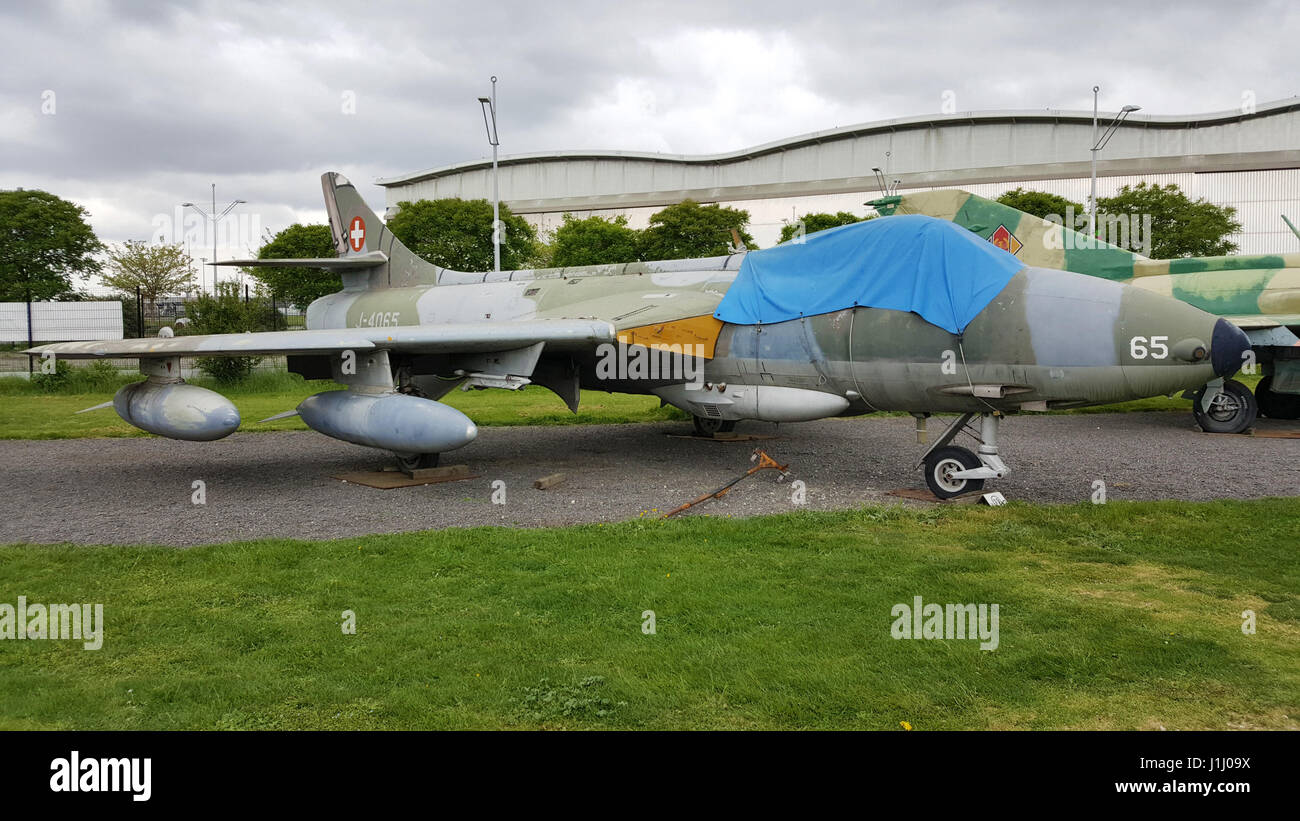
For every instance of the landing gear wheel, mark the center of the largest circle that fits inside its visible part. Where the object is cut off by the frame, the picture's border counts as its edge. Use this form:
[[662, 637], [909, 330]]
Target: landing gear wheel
[[708, 426], [1276, 405], [416, 461], [1232, 411], [939, 467]]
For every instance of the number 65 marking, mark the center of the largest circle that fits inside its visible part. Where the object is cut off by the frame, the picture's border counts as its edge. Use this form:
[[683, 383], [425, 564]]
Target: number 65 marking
[[1137, 347]]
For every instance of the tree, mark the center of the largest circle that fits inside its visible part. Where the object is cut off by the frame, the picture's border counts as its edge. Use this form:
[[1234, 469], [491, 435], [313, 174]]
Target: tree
[[688, 230], [457, 234], [1041, 204], [812, 223], [298, 286], [1180, 226], [44, 242], [156, 270], [594, 241], [225, 311]]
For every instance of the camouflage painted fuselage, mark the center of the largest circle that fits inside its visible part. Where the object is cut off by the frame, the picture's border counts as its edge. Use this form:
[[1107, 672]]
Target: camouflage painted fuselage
[[1049, 339], [1259, 293]]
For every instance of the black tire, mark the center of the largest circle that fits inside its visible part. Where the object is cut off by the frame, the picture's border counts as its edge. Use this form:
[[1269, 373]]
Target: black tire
[[1233, 410], [949, 460], [416, 461], [708, 426], [1276, 405]]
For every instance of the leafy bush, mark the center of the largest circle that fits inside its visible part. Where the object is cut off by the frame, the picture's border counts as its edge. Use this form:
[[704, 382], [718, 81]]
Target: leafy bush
[[227, 370], [227, 312], [56, 381]]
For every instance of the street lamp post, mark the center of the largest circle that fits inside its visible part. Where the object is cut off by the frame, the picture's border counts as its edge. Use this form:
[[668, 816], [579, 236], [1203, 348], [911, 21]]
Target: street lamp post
[[489, 105], [213, 218], [1097, 146]]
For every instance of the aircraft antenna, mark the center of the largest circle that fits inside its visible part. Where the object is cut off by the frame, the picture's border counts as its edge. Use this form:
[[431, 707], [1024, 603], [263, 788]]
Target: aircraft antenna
[[1291, 225]]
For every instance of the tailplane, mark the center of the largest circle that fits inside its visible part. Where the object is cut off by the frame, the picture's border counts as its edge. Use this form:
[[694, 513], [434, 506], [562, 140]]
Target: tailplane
[[369, 256]]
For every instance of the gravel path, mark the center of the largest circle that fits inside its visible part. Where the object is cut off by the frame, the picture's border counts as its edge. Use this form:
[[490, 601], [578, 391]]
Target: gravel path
[[275, 485]]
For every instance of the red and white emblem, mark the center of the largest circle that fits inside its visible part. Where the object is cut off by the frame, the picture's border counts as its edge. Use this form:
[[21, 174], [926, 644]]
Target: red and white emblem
[[357, 234]]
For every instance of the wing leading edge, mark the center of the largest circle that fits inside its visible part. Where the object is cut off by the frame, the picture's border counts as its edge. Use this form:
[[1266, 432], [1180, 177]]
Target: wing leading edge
[[446, 338]]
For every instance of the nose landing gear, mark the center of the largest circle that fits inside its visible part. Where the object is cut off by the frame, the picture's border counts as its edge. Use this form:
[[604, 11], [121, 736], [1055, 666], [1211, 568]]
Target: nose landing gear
[[953, 470], [1230, 408]]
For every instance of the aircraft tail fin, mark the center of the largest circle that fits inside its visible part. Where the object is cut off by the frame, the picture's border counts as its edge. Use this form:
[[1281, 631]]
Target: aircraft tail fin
[[360, 235]]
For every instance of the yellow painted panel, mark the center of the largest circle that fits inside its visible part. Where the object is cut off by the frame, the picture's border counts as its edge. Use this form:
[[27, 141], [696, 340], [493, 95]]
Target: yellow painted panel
[[695, 330]]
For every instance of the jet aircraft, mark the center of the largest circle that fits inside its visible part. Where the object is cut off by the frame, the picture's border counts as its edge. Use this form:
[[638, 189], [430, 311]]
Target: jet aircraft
[[907, 314]]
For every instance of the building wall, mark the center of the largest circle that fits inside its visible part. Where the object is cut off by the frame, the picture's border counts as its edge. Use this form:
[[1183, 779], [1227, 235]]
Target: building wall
[[1260, 197], [1247, 159]]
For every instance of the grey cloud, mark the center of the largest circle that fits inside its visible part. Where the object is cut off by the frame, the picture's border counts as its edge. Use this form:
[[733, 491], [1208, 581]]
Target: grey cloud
[[157, 100]]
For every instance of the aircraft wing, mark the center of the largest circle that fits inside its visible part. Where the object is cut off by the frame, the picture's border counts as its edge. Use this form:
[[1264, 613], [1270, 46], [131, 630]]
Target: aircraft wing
[[457, 337], [1261, 321]]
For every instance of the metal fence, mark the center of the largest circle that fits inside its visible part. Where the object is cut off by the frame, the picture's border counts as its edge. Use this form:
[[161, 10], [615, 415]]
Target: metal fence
[[39, 323]]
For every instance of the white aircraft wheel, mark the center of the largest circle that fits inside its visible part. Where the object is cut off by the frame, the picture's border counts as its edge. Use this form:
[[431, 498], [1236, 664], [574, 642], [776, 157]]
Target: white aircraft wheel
[[708, 426], [416, 461], [939, 467], [1232, 411]]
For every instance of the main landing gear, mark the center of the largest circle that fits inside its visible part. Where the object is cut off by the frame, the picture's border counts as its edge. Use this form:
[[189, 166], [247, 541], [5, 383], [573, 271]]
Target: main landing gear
[[408, 462], [1276, 405], [708, 426], [951, 470]]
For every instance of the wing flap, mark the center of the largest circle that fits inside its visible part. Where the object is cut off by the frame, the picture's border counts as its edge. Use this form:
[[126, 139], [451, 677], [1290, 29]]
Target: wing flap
[[459, 337]]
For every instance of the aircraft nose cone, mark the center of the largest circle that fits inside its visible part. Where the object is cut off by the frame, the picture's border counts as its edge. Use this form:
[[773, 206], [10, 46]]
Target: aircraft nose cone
[[1226, 348]]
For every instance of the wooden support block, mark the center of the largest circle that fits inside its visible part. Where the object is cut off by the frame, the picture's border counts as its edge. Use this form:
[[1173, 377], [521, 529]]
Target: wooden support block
[[549, 481], [442, 474], [391, 479]]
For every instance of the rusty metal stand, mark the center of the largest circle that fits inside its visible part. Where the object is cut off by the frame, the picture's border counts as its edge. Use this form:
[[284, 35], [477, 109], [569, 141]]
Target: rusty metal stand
[[765, 462]]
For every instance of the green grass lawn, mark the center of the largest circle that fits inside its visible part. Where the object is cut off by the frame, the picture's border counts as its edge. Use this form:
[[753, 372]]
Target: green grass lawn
[[1122, 616], [28, 413]]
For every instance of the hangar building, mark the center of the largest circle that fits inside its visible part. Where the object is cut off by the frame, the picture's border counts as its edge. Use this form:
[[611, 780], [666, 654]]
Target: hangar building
[[1248, 158]]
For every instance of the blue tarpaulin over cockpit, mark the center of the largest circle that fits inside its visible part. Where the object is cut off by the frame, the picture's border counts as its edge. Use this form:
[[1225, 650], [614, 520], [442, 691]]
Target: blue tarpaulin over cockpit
[[930, 266]]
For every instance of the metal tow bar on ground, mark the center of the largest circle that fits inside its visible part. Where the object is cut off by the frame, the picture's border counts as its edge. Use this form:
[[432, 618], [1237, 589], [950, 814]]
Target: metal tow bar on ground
[[764, 462]]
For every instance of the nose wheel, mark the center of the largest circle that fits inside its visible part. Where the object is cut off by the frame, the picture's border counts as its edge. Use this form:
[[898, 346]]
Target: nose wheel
[[1231, 410]]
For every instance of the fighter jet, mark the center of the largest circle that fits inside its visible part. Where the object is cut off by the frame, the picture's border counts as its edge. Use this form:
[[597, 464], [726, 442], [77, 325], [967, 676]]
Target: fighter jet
[[1259, 293], [910, 314]]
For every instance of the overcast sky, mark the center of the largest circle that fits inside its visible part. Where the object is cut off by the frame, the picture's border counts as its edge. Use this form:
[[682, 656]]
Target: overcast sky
[[132, 108]]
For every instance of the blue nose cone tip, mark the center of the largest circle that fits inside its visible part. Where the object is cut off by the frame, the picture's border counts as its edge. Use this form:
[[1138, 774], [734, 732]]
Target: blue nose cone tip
[[1227, 347]]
